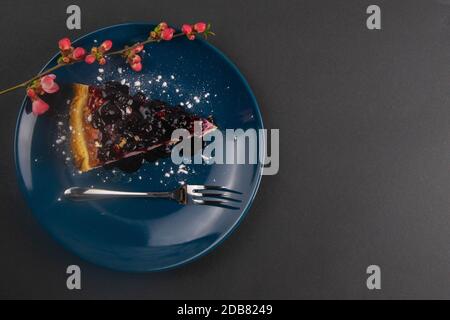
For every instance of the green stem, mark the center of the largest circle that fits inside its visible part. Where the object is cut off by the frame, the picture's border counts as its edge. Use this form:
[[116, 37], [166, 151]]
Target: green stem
[[139, 43], [13, 88]]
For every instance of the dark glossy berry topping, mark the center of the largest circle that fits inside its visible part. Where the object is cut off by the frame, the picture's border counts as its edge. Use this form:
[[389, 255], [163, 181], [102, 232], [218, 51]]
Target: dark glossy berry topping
[[130, 124]]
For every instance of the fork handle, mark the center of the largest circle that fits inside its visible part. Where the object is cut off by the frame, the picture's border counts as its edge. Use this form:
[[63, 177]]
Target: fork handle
[[87, 194]]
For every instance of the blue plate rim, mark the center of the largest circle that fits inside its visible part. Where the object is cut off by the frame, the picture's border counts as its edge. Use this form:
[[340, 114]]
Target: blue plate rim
[[215, 244]]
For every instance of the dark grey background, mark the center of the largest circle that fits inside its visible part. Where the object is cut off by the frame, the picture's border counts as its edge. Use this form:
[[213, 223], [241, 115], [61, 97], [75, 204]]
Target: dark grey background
[[365, 149]]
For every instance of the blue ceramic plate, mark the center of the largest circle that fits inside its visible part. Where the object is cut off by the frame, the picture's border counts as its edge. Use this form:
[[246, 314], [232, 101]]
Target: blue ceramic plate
[[137, 234]]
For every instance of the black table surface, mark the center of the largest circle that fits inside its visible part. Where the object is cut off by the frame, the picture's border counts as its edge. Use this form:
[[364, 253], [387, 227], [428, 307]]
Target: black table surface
[[365, 152]]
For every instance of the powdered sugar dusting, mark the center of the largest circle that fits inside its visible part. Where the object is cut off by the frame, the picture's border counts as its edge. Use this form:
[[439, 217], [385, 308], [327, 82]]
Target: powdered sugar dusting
[[175, 89]]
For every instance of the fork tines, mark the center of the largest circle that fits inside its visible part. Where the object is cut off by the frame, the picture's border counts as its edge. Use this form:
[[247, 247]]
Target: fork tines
[[214, 196]]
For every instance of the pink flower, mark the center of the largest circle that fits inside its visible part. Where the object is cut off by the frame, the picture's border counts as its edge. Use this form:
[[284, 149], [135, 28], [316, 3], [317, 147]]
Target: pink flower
[[138, 48], [136, 67], [48, 84], [136, 59], [79, 53], [163, 26], [191, 37], [31, 94], [106, 45], [200, 27], [90, 59], [65, 44], [186, 29], [39, 106], [102, 61], [167, 34]]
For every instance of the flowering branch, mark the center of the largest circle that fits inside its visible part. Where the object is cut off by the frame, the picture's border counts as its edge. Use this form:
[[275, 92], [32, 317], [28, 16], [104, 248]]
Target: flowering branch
[[24, 84], [44, 82]]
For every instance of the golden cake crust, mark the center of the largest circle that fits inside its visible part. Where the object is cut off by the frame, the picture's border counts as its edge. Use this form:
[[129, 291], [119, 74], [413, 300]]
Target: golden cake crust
[[83, 134]]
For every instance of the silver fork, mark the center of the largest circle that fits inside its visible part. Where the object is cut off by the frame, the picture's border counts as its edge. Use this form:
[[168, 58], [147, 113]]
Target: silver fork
[[187, 194]]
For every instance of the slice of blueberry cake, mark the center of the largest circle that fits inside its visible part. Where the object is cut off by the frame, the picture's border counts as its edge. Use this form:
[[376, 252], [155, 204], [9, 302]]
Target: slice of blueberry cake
[[108, 124]]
